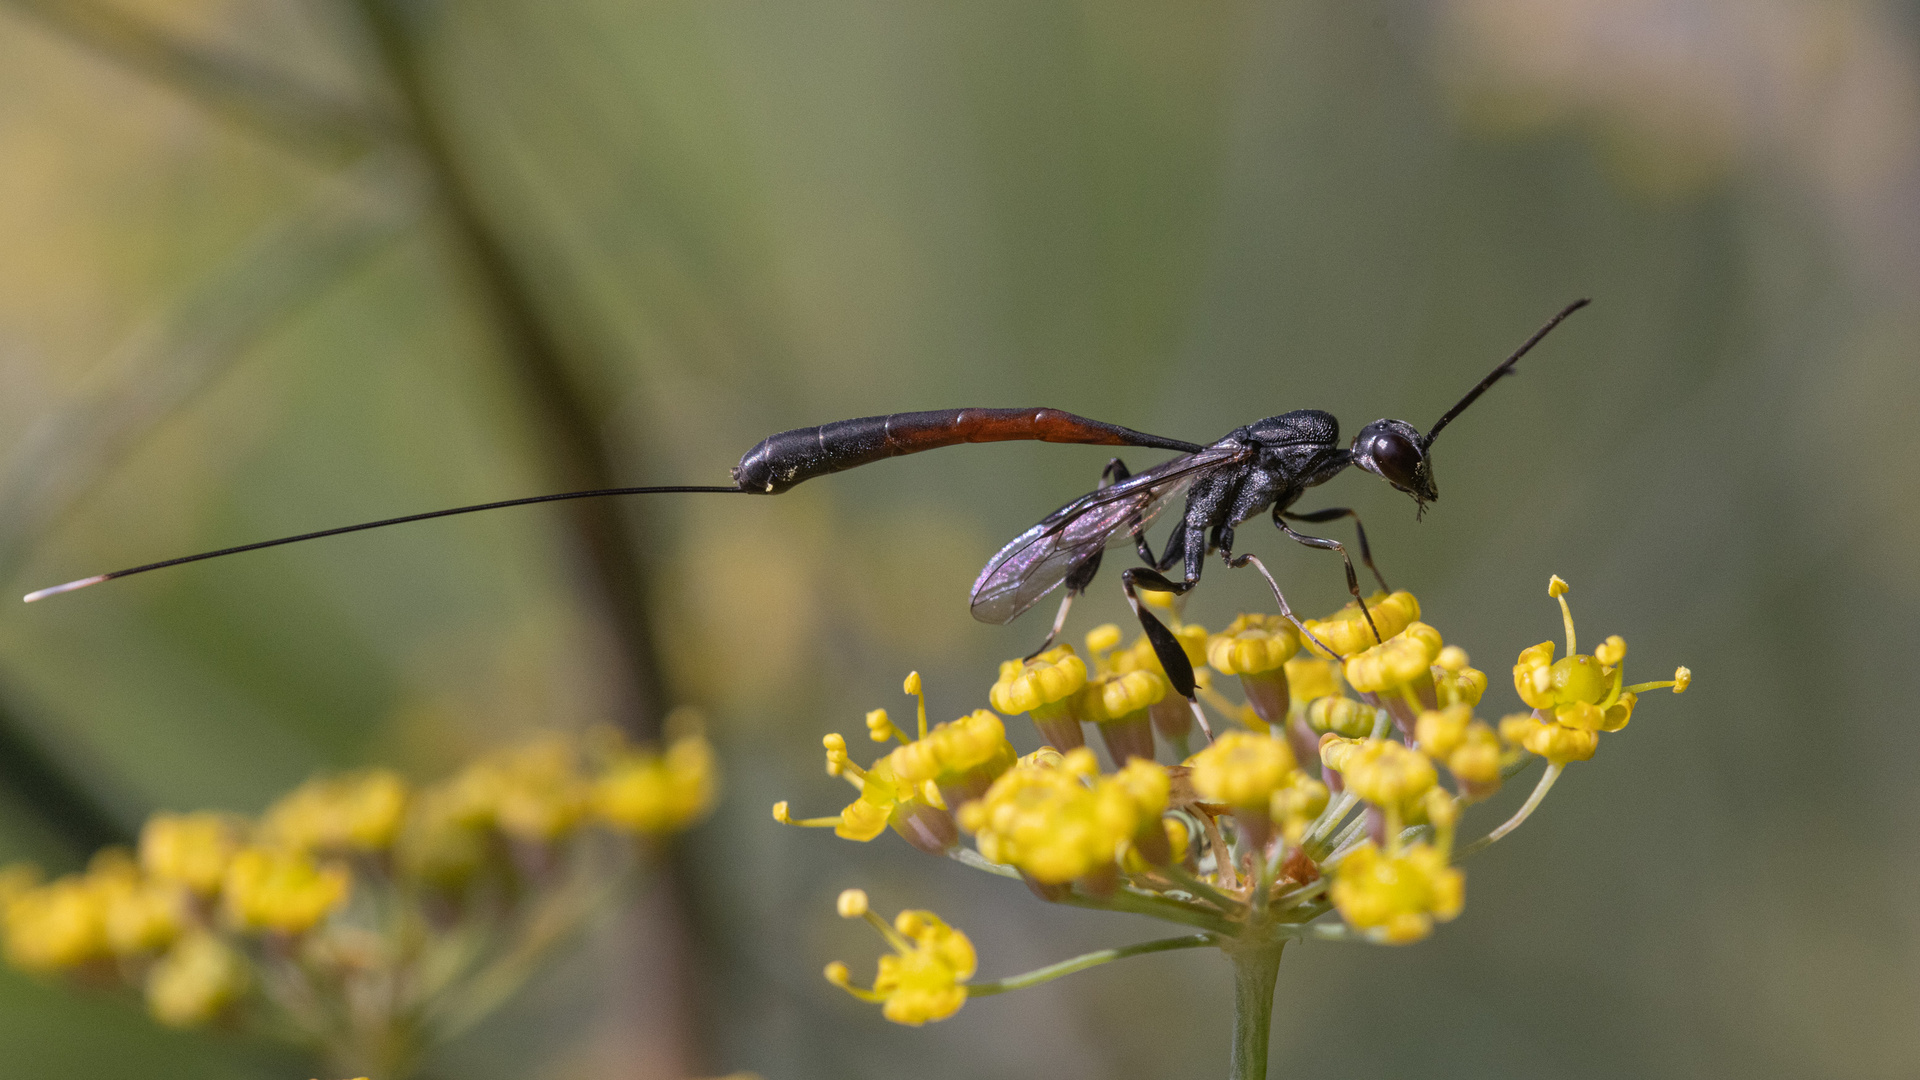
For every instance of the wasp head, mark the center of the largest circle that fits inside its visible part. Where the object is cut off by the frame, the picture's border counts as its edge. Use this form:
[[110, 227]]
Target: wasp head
[[1396, 452]]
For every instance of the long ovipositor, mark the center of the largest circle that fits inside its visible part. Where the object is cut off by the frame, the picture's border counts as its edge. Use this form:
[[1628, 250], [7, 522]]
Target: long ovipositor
[[780, 461]]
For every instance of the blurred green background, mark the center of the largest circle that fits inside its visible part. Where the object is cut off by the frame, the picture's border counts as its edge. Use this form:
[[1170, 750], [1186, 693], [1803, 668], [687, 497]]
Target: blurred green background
[[237, 300]]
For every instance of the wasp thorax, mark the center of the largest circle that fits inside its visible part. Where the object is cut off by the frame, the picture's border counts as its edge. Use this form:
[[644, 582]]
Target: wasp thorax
[[1394, 451]]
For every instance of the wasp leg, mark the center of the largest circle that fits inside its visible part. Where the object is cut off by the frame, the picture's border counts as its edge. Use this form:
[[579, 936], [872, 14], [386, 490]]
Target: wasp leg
[[1324, 544], [1076, 583], [1081, 577], [1366, 552], [1173, 658], [1235, 562]]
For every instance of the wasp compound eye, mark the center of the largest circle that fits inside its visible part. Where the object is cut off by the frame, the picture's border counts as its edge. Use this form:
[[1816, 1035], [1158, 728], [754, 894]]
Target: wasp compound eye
[[1393, 451]]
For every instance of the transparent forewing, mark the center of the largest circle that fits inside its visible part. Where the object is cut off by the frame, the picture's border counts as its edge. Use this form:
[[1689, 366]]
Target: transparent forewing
[[1034, 563]]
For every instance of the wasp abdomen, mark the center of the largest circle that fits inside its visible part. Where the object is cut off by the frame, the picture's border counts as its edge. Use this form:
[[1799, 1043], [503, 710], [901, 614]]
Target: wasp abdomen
[[783, 460]]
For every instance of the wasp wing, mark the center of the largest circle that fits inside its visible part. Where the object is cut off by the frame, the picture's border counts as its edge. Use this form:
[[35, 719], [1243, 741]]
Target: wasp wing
[[1034, 563]]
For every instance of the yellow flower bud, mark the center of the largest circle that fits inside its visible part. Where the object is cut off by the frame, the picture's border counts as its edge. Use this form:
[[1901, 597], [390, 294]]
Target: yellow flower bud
[[59, 925], [196, 982], [1398, 896], [1383, 772], [357, 811], [655, 794], [1242, 769], [1340, 715], [1399, 660], [1252, 644], [1052, 677], [192, 849], [1102, 638], [282, 891], [1311, 678], [1346, 631]]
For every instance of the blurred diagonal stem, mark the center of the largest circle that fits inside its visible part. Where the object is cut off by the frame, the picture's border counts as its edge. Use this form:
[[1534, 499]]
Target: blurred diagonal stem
[[44, 787], [537, 351], [252, 95]]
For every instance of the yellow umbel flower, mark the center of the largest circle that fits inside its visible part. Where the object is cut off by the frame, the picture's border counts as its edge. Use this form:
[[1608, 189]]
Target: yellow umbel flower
[[142, 916], [446, 838], [196, 982], [1578, 695], [915, 811], [1455, 683], [1340, 715], [961, 758], [62, 924], [1052, 821], [1252, 644], [1469, 748], [1397, 897], [1295, 805], [655, 794], [1310, 678], [1048, 688], [1118, 706], [1346, 631], [283, 891], [1386, 773], [925, 977], [192, 849], [533, 792], [1405, 659], [1242, 770], [357, 811], [1256, 648]]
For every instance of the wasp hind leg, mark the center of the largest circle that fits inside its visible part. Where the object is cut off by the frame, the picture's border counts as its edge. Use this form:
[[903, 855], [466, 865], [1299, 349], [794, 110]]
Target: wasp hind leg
[[1235, 562], [1081, 577], [1324, 544], [1335, 513]]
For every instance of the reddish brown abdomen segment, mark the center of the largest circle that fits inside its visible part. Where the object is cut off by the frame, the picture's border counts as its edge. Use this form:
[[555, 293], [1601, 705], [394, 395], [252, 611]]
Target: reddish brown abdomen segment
[[783, 460]]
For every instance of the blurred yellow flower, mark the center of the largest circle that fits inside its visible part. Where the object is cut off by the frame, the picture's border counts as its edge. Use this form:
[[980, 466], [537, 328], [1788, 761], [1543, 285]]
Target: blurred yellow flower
[[283, 891], [654, 794], [196, 981], [356, 811], [192, 849]]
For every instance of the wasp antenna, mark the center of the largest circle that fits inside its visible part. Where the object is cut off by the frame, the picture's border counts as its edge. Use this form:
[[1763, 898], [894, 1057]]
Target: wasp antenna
[[1505, 368], [365, 525], [71, 586]]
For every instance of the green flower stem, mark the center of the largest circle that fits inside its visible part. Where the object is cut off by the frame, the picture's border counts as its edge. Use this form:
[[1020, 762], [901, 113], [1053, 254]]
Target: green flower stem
[[1092, 959], [1255, 970], [1539, 792], [1159, 907], [1302, 894], [966, 856], [1203, 890]]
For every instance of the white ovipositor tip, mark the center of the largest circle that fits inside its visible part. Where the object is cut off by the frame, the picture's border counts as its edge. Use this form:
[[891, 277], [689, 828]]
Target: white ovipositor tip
[[68, 587]]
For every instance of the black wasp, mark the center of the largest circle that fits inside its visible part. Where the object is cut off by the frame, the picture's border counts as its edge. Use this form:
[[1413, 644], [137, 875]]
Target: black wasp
[[1266, 465]]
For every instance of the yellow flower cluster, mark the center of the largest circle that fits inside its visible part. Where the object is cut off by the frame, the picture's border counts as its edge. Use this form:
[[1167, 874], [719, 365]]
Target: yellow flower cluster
[[177, 915], [924, 978], [1401, 895], [1057, 820], [911, 788], [1256, 777], [1576, 697], [1339, 790]]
